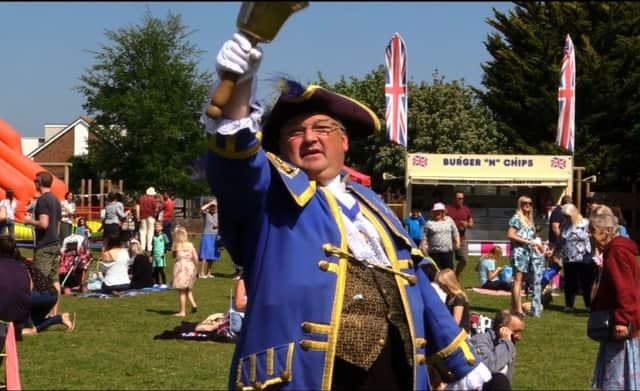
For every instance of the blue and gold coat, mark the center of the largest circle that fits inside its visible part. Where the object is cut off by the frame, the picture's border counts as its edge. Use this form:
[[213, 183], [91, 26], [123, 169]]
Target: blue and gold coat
[[287, 233]]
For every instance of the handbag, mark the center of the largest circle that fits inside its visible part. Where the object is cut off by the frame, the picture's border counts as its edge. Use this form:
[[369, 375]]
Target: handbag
[[600, 326]]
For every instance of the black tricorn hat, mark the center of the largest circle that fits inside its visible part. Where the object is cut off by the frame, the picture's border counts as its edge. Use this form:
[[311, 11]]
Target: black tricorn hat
[[295, 99]]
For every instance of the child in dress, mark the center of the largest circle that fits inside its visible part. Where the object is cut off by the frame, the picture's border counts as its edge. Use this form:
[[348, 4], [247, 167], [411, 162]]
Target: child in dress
[[184, 269], [456, 300], [159, 244]]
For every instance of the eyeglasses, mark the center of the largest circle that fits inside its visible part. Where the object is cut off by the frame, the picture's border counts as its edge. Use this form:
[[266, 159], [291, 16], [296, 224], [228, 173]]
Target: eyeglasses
[[320, 128], [527, 203]]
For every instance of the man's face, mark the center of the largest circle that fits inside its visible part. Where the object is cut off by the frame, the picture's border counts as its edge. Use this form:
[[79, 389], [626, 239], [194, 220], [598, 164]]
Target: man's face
[[315, 144], [459, 199], [517, 328]]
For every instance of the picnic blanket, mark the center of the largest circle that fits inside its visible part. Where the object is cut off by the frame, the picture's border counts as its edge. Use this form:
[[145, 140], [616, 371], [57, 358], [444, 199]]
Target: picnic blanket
[[187, 331], [491, 292], [128, 292]]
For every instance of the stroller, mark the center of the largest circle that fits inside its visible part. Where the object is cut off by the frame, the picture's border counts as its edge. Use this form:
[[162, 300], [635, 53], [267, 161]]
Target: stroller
[[75, 259]]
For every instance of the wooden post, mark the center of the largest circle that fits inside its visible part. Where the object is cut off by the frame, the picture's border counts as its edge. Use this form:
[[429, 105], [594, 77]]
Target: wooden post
[[82, 192], [101, 197], [109, 186], [578, 193], [90, 197], [121, 186]]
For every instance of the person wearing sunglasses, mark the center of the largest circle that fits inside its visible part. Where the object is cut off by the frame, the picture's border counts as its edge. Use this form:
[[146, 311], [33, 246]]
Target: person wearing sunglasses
[[336, 297], [521, 233]]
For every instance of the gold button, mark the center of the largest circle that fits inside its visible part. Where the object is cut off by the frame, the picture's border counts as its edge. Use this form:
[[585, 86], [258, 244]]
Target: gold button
[[285, 376], [305, 344], [239, 386], [327, 247], [306, 327], [323, 265], [258, 385], [381, 342], [389, 316], [384, 291], [412, 279]]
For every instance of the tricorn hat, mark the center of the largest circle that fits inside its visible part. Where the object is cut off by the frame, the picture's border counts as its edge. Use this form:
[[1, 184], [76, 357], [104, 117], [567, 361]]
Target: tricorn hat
[[151, 191], [296, 99]]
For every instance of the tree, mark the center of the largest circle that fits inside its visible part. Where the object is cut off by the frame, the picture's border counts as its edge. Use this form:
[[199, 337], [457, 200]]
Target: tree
[[522, 81], [146, 96], [443, 118]]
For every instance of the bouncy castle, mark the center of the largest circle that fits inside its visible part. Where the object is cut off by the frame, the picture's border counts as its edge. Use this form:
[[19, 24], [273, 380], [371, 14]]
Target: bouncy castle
[[17, 172]]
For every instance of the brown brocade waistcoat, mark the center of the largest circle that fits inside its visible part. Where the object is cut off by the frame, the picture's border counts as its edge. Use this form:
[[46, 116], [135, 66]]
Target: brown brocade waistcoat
[[371, 301]]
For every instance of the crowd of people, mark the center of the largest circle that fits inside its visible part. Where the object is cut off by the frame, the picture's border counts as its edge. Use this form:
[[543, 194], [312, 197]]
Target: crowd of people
[[578, 246], [129, 257]]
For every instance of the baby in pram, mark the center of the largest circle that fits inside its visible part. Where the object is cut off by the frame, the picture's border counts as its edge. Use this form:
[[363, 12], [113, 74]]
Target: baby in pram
[[75, 259]]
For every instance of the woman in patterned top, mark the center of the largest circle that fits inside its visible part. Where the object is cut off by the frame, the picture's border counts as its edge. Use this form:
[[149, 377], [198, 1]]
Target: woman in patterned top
[[577, 261], [521, 232]]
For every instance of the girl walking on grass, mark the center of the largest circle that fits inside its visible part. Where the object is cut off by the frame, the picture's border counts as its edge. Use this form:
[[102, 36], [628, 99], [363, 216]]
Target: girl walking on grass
[[184, 269]]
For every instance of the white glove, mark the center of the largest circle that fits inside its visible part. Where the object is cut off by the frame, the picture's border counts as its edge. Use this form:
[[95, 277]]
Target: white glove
[[237, 56]]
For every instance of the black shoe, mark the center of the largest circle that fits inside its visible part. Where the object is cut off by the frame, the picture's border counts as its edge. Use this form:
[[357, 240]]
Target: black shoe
[[194, 310]]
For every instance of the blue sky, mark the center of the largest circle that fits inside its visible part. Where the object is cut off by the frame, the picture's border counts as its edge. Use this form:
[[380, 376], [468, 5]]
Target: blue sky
[[44, 46]]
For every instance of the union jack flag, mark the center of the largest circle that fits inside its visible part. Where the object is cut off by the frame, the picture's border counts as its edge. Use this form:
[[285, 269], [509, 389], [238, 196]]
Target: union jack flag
[[395, 90], [557, 162], [420, 161], [566, 98]]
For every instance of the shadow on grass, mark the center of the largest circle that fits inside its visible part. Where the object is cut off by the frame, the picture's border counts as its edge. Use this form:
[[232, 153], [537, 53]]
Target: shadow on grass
[[161, 312], [225, 275], [581, 312]]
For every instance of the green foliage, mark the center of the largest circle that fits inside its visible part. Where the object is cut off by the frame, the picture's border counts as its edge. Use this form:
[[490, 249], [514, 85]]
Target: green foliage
[[146, 95], [522, 81], [443, 118]]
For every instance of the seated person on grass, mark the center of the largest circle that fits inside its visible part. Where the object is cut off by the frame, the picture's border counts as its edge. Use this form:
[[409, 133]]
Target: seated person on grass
[[43, 297], [15, 290], [488, 273], [497, 348], [140, 270], [115, 267]]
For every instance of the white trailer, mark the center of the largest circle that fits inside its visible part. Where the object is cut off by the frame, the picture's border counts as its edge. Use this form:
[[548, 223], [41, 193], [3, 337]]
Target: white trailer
[[492, 185]]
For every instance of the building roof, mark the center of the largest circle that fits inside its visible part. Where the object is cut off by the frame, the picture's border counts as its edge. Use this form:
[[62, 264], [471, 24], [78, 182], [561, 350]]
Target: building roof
[[81, 120]]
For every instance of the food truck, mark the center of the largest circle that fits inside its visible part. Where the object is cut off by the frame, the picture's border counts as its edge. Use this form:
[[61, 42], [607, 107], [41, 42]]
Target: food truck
[[492, 185]]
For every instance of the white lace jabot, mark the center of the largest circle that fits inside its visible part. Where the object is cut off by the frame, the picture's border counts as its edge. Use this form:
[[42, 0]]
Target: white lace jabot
[[362, 238]]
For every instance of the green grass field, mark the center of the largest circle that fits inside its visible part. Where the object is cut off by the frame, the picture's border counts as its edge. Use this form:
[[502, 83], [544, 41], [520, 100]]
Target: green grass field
[[113, 346]]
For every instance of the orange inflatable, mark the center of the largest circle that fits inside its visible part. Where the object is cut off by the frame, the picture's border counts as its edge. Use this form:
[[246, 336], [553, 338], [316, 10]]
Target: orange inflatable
[[18, 171]]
